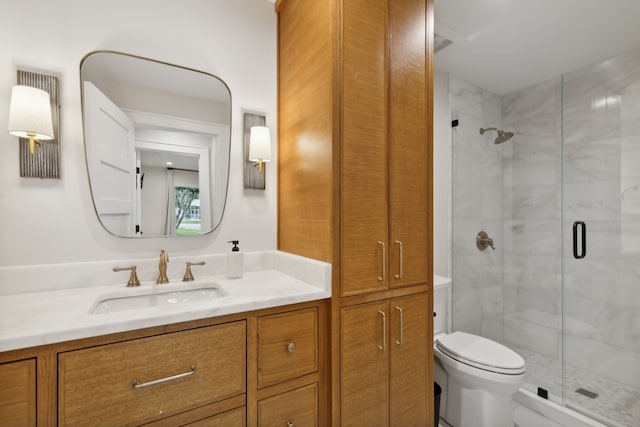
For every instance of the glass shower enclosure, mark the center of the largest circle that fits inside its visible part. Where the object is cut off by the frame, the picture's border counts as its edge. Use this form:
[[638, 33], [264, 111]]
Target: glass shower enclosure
[[561, 201]]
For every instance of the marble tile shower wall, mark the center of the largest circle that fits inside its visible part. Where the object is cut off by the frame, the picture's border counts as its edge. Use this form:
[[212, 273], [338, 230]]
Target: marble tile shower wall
[[602, 188], [575, 155], [477, 205], [532, 219]]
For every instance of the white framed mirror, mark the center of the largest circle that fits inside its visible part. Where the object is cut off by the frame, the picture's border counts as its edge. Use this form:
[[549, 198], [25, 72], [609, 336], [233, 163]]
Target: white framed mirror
[[157, 144]]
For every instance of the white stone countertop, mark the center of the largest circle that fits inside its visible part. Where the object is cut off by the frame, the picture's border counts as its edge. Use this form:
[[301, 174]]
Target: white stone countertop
[[51, 316]]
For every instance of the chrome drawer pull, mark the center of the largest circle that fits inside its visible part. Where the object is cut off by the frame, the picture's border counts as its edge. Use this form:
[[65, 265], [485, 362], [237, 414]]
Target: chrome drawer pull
[[137, 384], [290, 424], [291, 347]]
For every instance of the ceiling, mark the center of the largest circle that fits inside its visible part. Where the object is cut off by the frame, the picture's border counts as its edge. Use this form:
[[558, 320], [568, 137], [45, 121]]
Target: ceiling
[[507, 45]]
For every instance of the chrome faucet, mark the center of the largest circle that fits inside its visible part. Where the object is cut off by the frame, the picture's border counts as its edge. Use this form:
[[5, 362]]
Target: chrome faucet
[[162, 267]]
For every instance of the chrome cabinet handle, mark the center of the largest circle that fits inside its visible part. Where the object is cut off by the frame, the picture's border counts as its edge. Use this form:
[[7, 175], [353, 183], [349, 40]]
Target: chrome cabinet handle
[[290, 424], [137, 384], [384, 262], [291, 347], [399, 243], [401, 326], [384, 330]]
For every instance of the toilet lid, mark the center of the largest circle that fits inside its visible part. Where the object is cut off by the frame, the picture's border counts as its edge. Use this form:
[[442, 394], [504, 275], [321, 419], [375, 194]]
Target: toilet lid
[[481, 352]]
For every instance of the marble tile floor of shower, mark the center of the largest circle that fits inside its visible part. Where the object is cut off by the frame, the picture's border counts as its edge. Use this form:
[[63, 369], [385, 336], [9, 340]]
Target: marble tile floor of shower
[[616, 404]]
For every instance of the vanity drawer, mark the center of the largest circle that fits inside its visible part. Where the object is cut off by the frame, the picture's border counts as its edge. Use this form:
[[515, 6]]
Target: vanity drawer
[[96, 385], [287, 346], [297, 408], [233, 418]]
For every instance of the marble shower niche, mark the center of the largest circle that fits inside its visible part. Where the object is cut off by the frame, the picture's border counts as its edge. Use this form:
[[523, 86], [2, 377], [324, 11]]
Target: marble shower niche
[[574, 156]]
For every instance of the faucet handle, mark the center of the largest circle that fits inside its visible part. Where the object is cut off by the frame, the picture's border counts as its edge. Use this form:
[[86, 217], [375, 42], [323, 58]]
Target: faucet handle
[[483, 240], [188, 276], [133, 278]]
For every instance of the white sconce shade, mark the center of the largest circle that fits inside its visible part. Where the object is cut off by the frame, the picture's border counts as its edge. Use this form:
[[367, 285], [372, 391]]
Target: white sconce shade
[[30, 115], [259, 146]]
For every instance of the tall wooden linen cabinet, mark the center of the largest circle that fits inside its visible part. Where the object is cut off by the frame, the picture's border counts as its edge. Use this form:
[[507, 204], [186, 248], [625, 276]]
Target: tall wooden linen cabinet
[[355, 189]]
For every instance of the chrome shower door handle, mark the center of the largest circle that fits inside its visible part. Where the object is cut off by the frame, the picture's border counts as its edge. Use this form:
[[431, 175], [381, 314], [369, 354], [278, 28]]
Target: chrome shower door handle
[[384, 330], [399, 342], [399, 275], [384, 261]]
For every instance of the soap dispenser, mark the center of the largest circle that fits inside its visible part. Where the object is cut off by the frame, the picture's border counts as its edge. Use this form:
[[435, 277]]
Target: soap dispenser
[[234, 261]]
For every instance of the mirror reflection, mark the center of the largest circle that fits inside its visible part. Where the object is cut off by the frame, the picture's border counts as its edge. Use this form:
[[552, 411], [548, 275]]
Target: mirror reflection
[[157, 143]]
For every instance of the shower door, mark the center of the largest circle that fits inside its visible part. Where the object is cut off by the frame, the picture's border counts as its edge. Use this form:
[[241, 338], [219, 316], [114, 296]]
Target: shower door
[[601, 238]]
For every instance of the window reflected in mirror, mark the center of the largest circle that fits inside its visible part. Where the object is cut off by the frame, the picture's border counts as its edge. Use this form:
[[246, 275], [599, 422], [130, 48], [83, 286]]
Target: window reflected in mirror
[[187, 202]]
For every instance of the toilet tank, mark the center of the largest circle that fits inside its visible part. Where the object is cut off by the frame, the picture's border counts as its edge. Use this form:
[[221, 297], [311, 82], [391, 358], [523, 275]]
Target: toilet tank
[[441, 305]]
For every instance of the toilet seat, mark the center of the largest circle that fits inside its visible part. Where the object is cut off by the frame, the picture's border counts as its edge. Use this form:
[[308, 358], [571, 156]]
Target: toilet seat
[[480, 353]]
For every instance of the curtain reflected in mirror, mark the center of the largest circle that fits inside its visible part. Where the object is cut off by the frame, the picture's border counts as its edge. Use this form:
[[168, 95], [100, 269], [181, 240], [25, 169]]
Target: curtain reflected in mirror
[[157, 141]]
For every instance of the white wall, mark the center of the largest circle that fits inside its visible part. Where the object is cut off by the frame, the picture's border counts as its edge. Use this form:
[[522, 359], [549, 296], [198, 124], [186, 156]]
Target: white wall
[[441, 175], [53, 221]]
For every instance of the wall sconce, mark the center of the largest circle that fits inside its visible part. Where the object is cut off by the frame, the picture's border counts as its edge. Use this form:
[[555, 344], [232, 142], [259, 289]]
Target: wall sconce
[[34, 116], [30, 115], [259, 146], [254, 155]]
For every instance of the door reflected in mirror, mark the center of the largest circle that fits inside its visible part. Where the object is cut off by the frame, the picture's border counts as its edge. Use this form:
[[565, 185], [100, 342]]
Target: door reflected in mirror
[[157, 144]]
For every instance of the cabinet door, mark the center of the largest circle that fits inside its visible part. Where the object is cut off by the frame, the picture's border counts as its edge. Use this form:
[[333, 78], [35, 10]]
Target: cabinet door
[[364, 147], [18, 393], [408, 142], [409, 360], [365, 365]]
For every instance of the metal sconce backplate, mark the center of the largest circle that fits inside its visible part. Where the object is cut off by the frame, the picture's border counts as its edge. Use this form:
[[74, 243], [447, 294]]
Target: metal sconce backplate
[[252, 177], [45, 163]]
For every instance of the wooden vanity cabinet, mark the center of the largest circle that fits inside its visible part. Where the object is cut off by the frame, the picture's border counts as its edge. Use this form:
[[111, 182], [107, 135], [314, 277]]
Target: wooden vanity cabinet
[[385, 362], [18, 393], [384, 145], [260, 368], [355, 88]]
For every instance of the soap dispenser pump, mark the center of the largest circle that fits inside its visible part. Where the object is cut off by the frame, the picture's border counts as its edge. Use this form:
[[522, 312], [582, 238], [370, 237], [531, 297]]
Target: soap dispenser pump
[[234, 261]]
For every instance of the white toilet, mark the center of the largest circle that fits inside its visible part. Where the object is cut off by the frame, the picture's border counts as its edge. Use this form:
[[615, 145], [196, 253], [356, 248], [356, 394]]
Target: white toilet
[[478, 376]]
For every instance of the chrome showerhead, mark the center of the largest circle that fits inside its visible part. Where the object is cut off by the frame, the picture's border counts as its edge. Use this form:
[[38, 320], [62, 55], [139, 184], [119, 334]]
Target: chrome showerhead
[[502, 135]]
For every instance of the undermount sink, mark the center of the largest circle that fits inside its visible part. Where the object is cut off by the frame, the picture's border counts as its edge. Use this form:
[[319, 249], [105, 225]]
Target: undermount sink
[[162, 295]]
